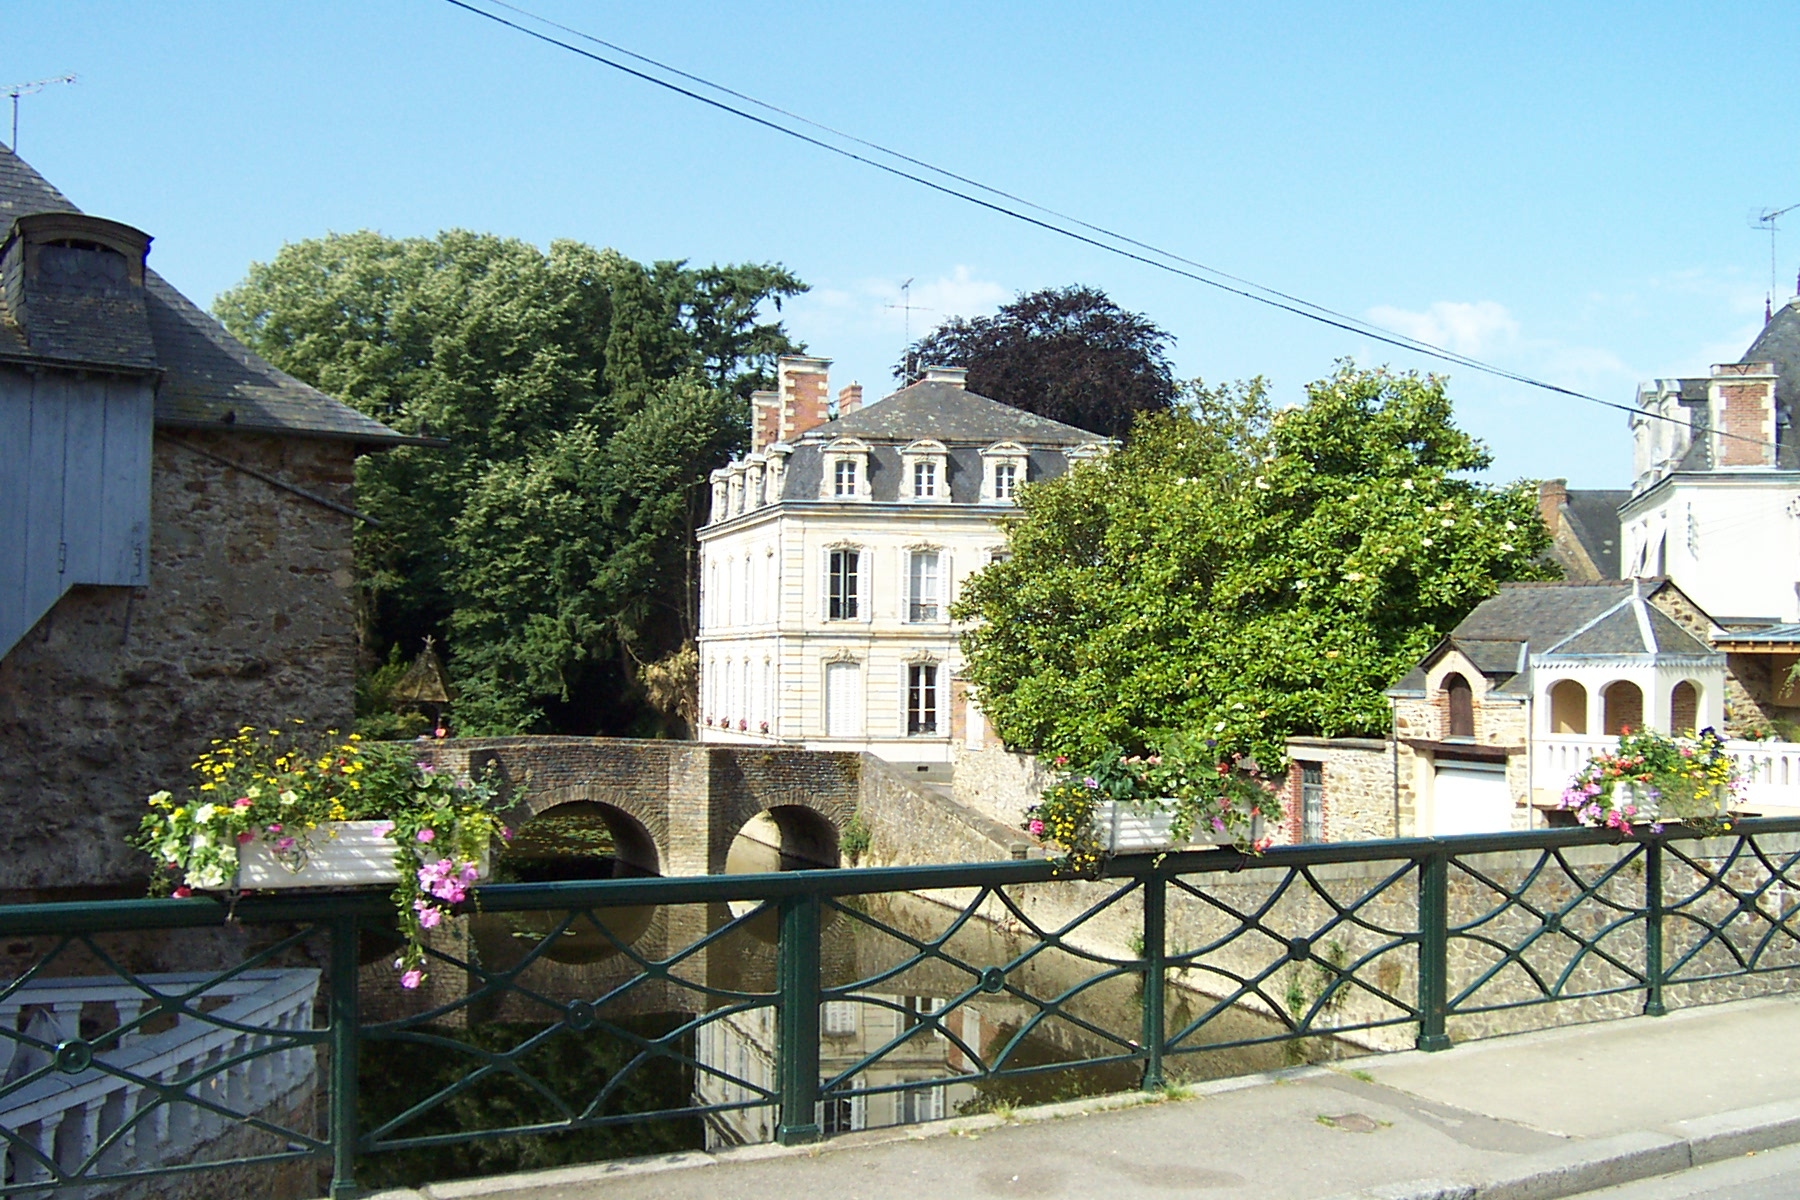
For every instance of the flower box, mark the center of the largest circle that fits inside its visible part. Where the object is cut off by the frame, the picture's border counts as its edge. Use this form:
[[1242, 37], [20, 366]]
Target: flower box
[[337, 854], [1125, 828], [1649, 807]]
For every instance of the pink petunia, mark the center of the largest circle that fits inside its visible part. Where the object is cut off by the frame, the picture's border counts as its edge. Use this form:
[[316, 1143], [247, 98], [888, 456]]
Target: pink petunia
[[241, 802], [183, 892], [1037, 828], [285, 844], [272, 827], [426, 835], [412, 978], [246, 837], [429, 915]]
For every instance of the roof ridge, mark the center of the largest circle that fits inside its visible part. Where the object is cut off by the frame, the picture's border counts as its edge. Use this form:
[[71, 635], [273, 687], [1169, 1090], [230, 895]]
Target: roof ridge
[[1552, 649]]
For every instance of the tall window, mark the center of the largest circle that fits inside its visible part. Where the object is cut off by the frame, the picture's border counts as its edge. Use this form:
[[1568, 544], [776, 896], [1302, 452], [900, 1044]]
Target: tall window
[[1006, 478], [924, 480], [1312, 802], [922, 580], [921, 698], [844, 477], [841, 585], [1462, 706]]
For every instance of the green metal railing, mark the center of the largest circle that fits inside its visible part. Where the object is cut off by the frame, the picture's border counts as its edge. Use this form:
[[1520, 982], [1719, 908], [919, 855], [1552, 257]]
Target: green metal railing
[[1156, 970]]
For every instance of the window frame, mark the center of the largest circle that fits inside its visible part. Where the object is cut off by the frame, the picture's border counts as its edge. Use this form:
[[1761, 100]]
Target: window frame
[[843, 604], [923, 684], [916, 612], [1312, 802]]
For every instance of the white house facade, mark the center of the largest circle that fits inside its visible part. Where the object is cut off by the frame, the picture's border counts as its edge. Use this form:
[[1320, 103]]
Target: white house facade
[[836, 549], [1715, 501]]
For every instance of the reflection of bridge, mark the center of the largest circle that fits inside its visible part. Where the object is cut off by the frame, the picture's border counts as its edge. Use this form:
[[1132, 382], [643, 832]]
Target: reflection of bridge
[[674, 808]]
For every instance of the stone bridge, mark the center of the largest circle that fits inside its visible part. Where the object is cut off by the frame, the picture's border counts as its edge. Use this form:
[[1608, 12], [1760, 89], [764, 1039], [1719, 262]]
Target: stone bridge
[[673, 808]]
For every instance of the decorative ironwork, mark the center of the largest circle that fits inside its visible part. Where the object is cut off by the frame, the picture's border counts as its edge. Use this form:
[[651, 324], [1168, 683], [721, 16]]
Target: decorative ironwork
[[795, 1005]]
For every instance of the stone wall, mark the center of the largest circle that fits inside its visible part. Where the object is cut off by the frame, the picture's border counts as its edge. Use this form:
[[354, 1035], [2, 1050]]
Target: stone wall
[[248, 618], [1358, 776], [997, 782]]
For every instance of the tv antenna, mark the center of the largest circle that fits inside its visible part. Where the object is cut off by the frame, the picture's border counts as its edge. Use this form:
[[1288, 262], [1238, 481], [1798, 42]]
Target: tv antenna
[[1766, 220], [907, 307], [16, 90]]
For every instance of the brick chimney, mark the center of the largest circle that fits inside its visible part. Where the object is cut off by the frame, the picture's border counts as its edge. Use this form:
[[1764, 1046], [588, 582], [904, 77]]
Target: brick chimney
[[805, 402], [849, 399], [1552, 495], [765, 419], [1741, 403]]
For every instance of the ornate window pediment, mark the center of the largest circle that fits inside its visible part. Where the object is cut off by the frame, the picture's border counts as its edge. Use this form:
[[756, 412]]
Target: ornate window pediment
[[925, 472], [1004, 466], [846, 470]]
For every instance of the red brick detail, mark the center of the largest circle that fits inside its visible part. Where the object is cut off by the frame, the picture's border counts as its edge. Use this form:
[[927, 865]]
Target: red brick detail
[[804, 402]]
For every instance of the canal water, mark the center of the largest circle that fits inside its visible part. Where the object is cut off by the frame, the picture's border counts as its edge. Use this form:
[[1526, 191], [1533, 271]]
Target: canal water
[[906, 1032]]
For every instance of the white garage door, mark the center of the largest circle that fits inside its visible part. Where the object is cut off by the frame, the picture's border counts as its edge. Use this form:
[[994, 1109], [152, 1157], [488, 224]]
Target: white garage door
[[1470, 798], [843, 699]]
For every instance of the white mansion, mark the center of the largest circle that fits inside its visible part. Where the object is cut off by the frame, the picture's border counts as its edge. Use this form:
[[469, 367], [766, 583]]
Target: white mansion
[[836, 548]]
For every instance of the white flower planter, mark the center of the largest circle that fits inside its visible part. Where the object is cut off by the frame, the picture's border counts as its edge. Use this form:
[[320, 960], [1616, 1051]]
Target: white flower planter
[[1650, 808], [336, 854], [1144, 829]]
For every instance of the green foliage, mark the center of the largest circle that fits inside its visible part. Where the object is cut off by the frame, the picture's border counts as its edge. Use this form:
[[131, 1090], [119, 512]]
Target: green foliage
[[376, 719], [1242, 575], [856, 838], [583, 397]]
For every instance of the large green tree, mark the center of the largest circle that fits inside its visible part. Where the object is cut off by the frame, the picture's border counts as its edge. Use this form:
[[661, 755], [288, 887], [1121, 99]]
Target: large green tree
[[1244, 573], [580, 399], [1068, 353]]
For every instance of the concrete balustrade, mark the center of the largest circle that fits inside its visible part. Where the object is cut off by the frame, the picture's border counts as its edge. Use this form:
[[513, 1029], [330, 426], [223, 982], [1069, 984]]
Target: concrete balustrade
[[1771, 770], [67, 1117]]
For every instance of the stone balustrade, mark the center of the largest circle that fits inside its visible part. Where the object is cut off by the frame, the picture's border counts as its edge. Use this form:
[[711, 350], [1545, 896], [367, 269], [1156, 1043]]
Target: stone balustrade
[[1771, 770], [216, 1053]]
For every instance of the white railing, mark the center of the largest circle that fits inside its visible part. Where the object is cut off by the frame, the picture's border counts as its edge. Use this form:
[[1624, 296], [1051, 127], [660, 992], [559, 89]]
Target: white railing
[[1771, 770], [66, 1117]]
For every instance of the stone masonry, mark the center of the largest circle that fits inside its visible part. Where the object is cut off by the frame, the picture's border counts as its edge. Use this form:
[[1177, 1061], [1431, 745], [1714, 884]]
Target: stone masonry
[[248, 618]]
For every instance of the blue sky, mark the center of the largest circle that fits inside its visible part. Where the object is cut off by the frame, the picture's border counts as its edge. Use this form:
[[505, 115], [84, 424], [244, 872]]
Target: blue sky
[[1559, 189]]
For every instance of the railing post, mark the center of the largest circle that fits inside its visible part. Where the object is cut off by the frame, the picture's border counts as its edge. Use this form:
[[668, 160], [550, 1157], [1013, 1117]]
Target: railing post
[[1434, 949], [1156, 901], [797, 1048], [1653, 929], [345, 1019]]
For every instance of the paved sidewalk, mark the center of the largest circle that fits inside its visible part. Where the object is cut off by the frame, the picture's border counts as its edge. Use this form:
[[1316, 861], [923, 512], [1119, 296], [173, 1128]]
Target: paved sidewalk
[[1529, 1117]]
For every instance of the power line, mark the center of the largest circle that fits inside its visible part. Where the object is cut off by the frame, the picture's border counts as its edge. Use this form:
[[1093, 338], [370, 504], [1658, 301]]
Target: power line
[[1176, 264]]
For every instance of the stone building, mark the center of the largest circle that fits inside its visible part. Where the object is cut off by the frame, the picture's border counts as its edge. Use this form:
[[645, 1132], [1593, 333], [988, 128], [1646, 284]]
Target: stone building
[[836, 549], [1522, 692], [175, 520]]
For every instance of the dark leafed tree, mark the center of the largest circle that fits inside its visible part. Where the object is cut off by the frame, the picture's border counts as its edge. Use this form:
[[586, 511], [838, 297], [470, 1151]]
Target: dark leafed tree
[[1069, 354]]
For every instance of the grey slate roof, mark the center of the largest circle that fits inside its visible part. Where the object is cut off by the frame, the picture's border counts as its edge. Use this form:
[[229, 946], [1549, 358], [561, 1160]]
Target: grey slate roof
[[951, 415], [209, 379], [1593, 518], [1779, 343], [1572, 619], [966, 423]]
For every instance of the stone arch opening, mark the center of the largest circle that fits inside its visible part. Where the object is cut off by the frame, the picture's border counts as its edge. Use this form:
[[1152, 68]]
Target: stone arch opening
[[1461, 700], [786, 837], [1623, 702], [1684, 707], [1568, 707], [576, 840]]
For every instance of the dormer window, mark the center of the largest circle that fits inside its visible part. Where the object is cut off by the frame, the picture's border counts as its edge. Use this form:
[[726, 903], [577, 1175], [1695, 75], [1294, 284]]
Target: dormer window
[[926, 467], [845, 470], [1003, 470]]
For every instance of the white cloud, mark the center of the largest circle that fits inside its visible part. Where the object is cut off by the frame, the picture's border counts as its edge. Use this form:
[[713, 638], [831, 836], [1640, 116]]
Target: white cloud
[[1474, 329]]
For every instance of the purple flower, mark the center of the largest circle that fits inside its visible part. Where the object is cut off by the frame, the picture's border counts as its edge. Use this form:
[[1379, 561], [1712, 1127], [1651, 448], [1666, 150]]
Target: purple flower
[[426, 835], [429, 914], [1218, 825], [412, 978], [284, 844], [1090, 781]]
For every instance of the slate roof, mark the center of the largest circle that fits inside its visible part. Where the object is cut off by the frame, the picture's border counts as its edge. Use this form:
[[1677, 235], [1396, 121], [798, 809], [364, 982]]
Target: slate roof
[[1593, 518], [208, 378], [951, 414], [1563, 619], [965, 422], [1779, 343]]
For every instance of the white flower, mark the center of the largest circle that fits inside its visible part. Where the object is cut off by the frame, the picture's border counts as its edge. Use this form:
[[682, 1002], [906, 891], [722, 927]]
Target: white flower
[[1506, 547], [209, 876], [1406, 485], [1262, 483], [1510, 527], [159, 797], [201, 841], [1425, 541], [1219, 728], [1353, 576], [288, 797], [204, 813], [1446, 522]]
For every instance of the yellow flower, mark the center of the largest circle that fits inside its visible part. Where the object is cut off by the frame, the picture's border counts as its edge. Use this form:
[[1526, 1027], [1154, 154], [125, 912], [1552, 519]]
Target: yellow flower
[[208, 787]]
